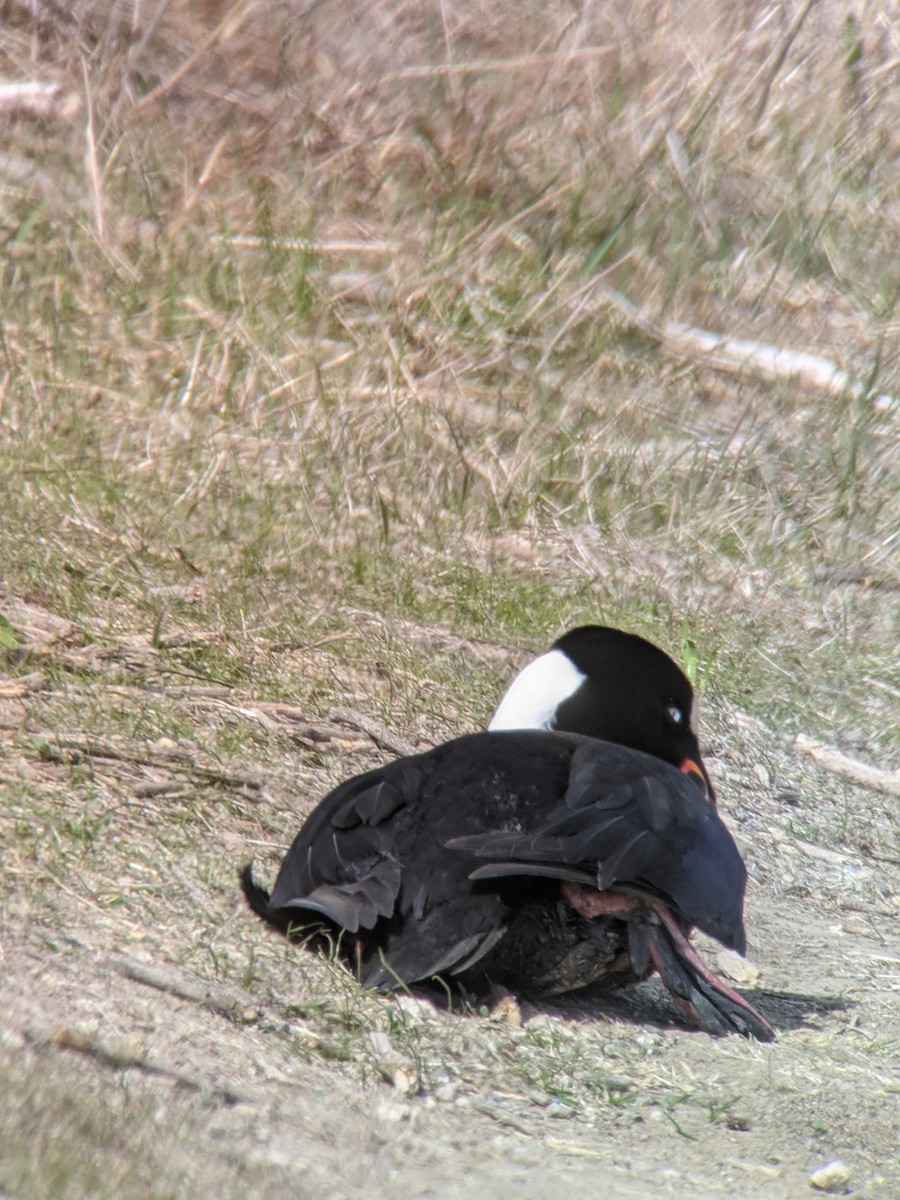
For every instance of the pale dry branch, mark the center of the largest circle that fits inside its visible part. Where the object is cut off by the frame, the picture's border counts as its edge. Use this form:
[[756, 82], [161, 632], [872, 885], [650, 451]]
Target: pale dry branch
[[32, 98], [38, 628], [434, 639], [226, 999], [769, 362], [153, 788], [372, 729], [24, 685], [118, 1058], [832, 760], [304, 729], [725, 353], [73, 749], [306, 245]]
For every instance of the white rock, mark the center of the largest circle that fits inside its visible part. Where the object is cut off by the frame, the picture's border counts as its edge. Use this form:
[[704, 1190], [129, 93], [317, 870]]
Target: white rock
[[832, 1177], [380, 1044], [741, 970]]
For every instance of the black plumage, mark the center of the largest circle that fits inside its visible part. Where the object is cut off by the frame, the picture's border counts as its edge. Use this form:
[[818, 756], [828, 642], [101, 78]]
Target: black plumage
[[538, 860]]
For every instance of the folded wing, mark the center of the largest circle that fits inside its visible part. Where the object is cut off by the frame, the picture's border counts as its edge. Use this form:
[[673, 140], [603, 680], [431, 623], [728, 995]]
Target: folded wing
[[629, 823]]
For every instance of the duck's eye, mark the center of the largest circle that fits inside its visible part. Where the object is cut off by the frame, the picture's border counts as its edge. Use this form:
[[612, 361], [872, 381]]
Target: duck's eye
[[675, 716]]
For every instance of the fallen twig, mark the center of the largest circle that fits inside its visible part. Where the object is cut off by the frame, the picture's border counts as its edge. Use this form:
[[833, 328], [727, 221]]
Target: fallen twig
[[376, 732], [313, 731], [147, 791], [70, 749], [734, 355], [229, 1001], [850, 768], [433, 638], [480, 66], [769, 362], [120, 1058], [309, 246]]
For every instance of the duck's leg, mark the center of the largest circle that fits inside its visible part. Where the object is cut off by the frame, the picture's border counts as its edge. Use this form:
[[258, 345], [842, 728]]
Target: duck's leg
[[704, 998], [591, 903], [700, 993]]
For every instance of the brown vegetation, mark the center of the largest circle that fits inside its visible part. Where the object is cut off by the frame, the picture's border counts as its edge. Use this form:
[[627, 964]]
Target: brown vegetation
[[348, 353]]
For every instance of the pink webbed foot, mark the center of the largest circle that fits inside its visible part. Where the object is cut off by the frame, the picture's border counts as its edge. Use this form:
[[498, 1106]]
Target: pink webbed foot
[[654, 932]]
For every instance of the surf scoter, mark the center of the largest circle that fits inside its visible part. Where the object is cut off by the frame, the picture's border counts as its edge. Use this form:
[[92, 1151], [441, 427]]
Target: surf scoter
[[575, 843]]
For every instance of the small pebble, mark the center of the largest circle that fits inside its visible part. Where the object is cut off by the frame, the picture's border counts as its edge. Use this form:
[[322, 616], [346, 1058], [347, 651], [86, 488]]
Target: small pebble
[[403, 1080], [832, 1177], [507, 1010], [741, 970], [380, 1044], [416, 1010]]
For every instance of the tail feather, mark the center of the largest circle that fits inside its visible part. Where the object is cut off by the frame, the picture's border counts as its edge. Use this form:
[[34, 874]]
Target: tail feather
[[258, 899]]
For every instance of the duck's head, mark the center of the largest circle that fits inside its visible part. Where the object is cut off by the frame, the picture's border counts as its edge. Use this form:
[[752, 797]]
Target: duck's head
[[608, 684]]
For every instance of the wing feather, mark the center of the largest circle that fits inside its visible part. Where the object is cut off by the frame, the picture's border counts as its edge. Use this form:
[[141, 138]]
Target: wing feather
[[452, 938], [631, 821]]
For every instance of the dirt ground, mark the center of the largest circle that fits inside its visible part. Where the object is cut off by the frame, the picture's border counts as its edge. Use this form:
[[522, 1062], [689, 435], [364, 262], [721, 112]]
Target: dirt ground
[[126, 1072], [350, 353], [260, 1121]]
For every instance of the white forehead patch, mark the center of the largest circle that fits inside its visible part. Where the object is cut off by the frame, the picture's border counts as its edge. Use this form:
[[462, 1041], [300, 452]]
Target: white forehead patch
[[537, 692]]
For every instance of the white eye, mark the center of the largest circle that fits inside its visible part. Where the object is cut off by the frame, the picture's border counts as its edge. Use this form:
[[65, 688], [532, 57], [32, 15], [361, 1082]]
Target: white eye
[[676, 716]]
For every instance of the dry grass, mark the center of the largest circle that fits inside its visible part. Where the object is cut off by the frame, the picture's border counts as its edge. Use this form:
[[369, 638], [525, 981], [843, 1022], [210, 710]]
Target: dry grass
[[315, 392]]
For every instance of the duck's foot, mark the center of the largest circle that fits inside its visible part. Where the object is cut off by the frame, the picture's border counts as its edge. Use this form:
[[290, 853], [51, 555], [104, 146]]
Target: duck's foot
[[699, 993], [655, 935]]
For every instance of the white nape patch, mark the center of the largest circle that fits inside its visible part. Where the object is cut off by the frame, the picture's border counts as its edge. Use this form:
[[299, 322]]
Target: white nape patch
[[537, 692]]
